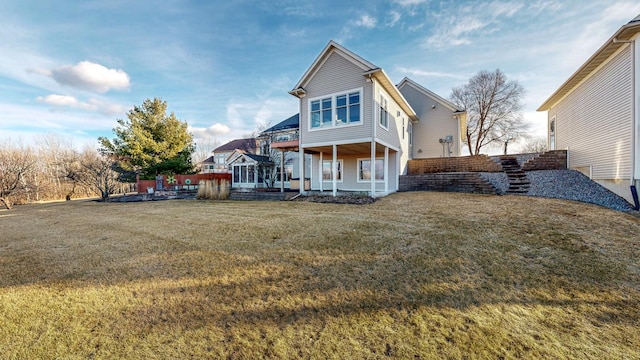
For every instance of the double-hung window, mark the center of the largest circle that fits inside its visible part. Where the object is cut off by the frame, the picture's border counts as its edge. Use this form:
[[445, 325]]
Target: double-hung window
[[365, 170], [327, 170], [335, 110], [384, 113]]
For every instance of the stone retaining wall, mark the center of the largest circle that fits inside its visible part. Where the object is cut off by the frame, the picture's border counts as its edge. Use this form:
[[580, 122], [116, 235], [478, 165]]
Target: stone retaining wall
[[474, 163], [467, 182], [550, 160]]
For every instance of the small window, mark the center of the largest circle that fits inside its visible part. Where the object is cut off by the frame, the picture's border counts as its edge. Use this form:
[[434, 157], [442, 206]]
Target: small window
[[327, 170], [383, 112], [364, 170]]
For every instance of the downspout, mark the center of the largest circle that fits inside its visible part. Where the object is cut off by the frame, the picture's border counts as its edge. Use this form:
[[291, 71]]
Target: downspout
[[634, 122]]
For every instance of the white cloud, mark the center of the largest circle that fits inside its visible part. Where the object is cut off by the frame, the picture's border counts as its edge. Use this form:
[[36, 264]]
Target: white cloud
[[91, 76], [215, 130], [457, 33], [93, 104], [394, 17], [423, 73], [366, 21], [468, 21], [409, 2]]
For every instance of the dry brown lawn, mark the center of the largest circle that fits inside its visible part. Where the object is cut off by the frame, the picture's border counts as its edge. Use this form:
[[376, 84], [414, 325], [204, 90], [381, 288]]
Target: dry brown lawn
[[414, 275]]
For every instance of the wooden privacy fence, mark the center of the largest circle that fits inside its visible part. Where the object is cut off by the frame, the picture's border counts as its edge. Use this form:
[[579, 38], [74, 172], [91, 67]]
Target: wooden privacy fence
[[178, 182]]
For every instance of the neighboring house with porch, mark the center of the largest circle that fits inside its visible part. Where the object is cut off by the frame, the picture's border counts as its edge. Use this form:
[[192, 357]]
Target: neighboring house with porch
[[280, 143], [219, 161], [359, 129], [207, 166], [248, 170], [595, 114]]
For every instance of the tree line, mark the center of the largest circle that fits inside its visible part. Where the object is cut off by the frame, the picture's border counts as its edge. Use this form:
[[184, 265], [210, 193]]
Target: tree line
[[147, 143]]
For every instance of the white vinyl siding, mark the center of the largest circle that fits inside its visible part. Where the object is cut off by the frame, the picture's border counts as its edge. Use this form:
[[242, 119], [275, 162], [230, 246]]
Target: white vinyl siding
[[594, 121], [435, 123], [336, 76]]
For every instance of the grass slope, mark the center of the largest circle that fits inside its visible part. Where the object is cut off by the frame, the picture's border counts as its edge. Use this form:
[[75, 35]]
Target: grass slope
[[414, 275]]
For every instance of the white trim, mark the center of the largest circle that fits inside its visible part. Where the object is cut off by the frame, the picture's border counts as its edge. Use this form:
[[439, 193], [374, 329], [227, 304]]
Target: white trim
[[339, 142], [552, 145], [301, 170], [382, 142], [334, 115], [386, 169], [320, 164], [334, 169], [373, 170], [325, 54]]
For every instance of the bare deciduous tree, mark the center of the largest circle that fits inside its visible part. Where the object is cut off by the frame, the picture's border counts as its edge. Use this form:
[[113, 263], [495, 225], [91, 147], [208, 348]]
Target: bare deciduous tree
[[493, 109], [535, 145], [99, 172], [15, 164]]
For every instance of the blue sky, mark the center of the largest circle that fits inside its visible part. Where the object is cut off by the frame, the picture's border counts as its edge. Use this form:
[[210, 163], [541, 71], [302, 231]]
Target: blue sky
[[73, 68]]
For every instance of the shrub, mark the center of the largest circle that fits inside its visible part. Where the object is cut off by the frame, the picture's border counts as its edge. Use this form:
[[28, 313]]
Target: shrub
[[213, 190]]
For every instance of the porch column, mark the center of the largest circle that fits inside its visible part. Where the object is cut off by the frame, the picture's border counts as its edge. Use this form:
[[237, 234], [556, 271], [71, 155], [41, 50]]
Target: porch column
[[386, 170], [372, 169], [334, 169], [281, 170], [255, 176], [321, 177], [301, 171]]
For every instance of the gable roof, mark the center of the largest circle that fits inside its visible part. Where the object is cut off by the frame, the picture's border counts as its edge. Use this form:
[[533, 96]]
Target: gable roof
[[448, 104], [247, 145], [251, 157], [210, 160], [369, 70], [292, 122], [615, 42]]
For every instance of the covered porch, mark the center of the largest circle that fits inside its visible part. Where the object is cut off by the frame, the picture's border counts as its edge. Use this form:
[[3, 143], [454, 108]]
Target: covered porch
[[365, 167]]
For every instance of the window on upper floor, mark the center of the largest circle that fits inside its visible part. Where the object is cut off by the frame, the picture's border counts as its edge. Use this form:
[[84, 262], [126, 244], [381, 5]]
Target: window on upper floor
[[220, 159], [383, 112], [336, 109]]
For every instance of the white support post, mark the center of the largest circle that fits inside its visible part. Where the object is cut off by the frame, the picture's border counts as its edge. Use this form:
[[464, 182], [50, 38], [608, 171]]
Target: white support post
[[334, 170], [386, 169], [321, 177], [301, 171], [372, 169], [281, 170]]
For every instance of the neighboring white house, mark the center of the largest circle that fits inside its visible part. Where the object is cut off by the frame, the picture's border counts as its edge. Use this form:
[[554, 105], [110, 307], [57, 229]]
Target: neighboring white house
[[358, 127], [595, 114], [219, 161]]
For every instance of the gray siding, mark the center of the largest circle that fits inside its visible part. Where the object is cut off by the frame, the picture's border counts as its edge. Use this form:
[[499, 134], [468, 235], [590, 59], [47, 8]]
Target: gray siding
[[392, 135], [337, 74], [350, 174], [434, 124], [594, 121]]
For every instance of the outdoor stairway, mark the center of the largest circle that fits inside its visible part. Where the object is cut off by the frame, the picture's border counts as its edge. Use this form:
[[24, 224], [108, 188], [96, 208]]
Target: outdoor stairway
[[518, 181]]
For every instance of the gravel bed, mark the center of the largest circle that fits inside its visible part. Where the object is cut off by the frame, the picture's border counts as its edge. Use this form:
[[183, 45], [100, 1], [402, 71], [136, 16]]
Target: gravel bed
[[563, 184]]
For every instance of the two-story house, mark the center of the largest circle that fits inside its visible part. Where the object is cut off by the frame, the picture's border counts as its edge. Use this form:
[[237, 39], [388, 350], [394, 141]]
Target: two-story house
[[359, 128]]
